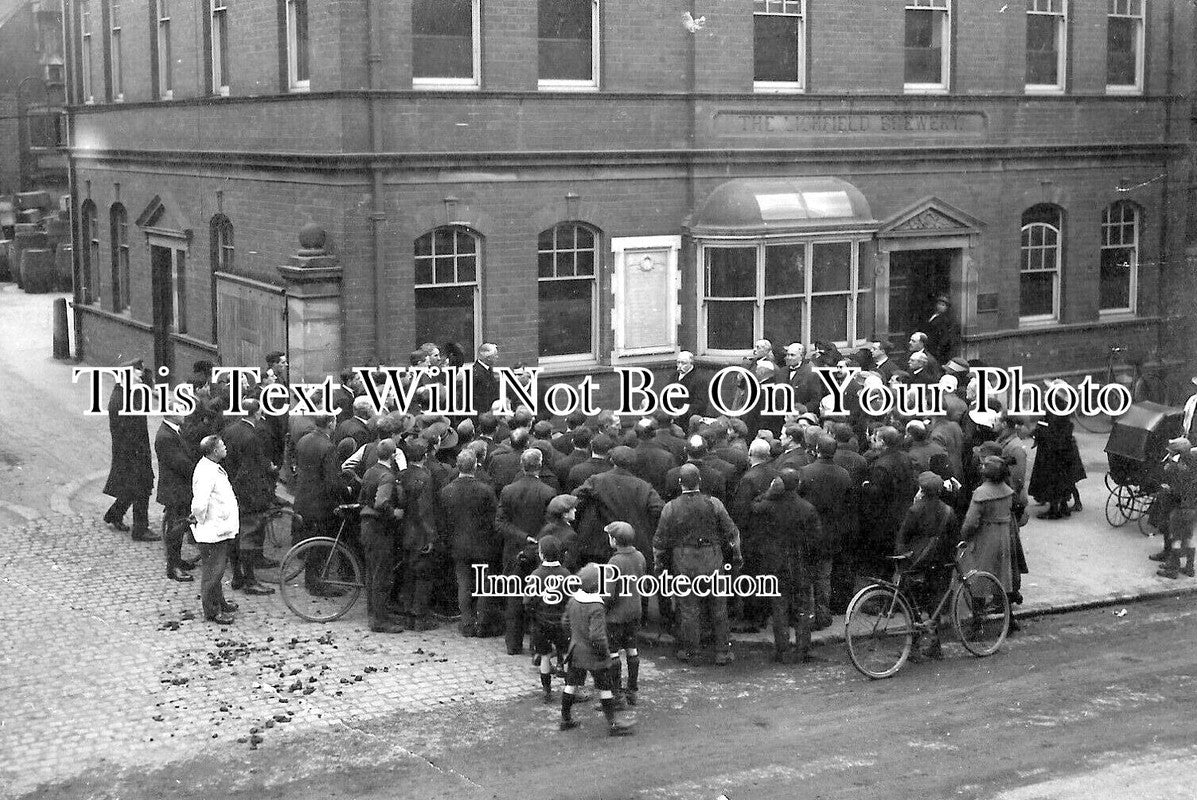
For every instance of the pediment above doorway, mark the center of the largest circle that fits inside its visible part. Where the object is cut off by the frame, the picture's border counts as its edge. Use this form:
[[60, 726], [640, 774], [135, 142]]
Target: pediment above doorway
[[930, 217], [157, 219]]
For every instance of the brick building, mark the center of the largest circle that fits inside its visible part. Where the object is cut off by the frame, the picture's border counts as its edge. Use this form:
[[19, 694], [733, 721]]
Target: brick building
[[32, 94], [596, 182]]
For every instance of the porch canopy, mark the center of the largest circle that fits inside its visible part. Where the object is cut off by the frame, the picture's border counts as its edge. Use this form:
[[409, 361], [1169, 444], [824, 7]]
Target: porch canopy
[[756, 207]]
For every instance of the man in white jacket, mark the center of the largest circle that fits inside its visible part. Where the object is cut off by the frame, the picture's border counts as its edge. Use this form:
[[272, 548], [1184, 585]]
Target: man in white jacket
[[214, 508]]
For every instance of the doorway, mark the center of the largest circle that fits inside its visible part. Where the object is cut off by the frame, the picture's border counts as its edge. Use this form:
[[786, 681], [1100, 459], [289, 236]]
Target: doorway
[[916, 278], [163, 281]]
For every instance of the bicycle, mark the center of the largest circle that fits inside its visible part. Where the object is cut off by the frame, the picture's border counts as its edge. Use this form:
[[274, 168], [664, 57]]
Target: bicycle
[[1142, 386], [883, 618], [321, 578]]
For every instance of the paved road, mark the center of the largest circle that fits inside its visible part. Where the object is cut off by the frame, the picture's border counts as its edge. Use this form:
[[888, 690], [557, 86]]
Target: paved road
[[1079, 706]]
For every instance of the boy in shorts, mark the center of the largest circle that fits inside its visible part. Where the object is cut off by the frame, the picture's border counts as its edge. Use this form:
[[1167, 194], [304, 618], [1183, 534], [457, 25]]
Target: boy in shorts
[[586, 618], [547, 634], [624, 610]]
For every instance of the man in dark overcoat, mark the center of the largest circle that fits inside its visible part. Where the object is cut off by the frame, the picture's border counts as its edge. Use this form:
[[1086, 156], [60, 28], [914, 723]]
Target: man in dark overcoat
[[176, 463], [469, 507], [131, 474], [616, 495], [887, 492], [520, 517], [829, 489]]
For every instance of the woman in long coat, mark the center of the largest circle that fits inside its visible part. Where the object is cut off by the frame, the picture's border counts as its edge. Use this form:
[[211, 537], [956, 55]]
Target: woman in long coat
[[131, 473], [1058, 465], [986, 526]]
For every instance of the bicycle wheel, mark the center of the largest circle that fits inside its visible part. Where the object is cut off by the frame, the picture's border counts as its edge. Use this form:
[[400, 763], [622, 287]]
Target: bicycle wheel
[[981, 613], [1116, 507], [879, 631], [320, 579]]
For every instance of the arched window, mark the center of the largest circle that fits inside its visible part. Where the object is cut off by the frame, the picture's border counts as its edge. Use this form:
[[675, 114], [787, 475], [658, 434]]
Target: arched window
[[446, 286], [1042, 259], [220, 257], [1119, 258], [89, 256], [118, 238], [566, 258]]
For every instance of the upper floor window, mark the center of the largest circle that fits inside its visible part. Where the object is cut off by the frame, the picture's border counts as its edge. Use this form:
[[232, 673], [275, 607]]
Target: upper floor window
[[568, 44], [928, 46], [446, 43], [218, 52], [779, 45], [1119, 258], [1124, 46], [1047, 45], [1042, 258], [89, 259], [765, 290], [115, 54], [164, 62], [298, 70], [446, 286], [118, 239], [566, 258], [86, 53]]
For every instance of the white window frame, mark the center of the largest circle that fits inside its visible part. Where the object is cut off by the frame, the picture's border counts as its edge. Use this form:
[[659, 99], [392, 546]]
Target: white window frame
[[178, 290], [1107, 227], [1035, 8], [114, 50], [592, 85], [1126, 9], [166, 90], [944, 8], [476, 283], [86, 53], [218, 18], [461, 84], [855, 292], [590, 356], [294, 84], [785, 87], [122, 291], [1054, 316]]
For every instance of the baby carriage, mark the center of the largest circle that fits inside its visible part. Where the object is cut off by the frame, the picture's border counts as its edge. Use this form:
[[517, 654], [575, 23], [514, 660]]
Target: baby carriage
[[1136, 450]]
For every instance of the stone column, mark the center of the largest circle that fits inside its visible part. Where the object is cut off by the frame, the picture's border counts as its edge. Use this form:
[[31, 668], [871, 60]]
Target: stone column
[[314, 314]]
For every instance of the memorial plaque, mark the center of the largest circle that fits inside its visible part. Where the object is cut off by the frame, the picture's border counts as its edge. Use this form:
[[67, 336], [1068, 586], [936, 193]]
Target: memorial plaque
[[645, 295]]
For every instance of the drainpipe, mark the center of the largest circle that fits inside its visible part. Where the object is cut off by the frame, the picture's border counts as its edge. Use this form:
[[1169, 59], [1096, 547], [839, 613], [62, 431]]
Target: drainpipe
[[1165, 258], [70, 65], [377, 215]]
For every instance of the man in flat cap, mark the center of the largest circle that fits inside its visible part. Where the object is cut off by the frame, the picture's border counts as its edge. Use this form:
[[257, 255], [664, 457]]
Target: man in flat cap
[[616, 494]]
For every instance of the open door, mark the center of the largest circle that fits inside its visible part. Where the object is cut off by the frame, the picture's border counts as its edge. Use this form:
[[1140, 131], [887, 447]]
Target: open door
[[916, 278], [162, 276]]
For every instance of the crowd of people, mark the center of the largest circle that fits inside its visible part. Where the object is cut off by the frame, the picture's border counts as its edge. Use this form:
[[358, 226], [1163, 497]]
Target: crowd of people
[[818, 501]]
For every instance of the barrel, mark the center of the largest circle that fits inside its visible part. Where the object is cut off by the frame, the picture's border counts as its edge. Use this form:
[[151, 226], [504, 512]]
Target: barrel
[[5, 264], [63, 267], [28, 237], [37, 270]]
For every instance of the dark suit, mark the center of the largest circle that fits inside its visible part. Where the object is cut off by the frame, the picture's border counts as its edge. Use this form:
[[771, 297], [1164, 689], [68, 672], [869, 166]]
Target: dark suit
[[698, 389], [886, 369], [485, 389], [795, 458], [579, 473], [943, 334], [355, 429], [808, 386], [318, 483], [887, 494], [248, 465], [653, 463], [612, 495], [756, 480], [131, 475], [521, 513], [176, 463], [469, 508], [829, 489]]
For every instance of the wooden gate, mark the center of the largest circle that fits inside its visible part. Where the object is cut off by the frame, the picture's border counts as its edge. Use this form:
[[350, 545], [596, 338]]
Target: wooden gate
[[251, 320]]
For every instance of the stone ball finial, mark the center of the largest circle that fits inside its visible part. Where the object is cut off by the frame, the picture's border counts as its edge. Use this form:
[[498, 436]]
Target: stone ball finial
[[312, 239]]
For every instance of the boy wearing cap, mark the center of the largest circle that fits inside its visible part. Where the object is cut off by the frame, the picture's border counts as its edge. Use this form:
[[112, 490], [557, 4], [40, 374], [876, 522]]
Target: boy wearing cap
[[547, 634], [1179, 493], [589, 651], [624, 610]]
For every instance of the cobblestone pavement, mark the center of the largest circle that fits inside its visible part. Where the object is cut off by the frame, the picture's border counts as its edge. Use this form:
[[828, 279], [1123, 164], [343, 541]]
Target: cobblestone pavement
[[108, 663]]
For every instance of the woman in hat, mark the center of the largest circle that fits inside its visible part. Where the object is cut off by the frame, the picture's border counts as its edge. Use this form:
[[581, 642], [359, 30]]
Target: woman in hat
[[1058, 466], [986, 526]]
